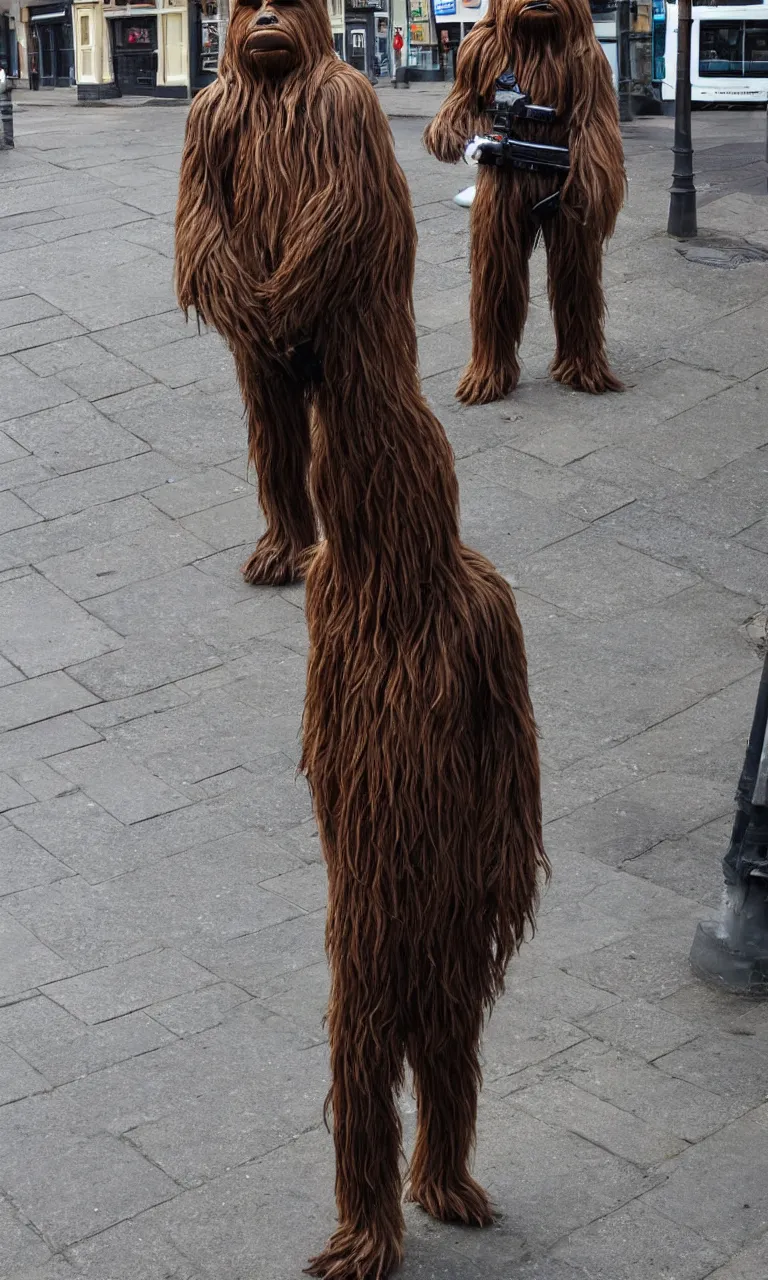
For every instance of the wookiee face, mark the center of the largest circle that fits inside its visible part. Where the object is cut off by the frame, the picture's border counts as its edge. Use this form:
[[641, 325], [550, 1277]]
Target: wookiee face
[[547, 19], [270, 38]]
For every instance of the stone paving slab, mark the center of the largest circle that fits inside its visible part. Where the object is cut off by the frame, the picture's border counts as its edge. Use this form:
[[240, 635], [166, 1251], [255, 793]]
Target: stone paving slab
[[163, 1061]]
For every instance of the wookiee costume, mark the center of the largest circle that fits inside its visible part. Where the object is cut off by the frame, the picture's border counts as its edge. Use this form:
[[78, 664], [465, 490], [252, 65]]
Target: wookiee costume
[[297, 239], [551, 47]]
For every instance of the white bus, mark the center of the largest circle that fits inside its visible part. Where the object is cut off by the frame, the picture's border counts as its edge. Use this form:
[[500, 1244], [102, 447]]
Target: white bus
[[729, 52]]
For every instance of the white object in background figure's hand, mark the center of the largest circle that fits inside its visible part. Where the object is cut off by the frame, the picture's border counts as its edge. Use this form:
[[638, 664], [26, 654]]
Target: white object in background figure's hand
[[471, 150], [465, 198]]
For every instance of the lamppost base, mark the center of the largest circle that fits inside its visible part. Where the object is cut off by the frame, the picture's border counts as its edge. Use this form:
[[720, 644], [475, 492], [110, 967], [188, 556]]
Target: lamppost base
[[732, 953], [682, 222]]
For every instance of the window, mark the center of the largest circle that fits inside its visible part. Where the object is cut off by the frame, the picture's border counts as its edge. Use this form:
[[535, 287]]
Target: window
[[756, 50], [721, 49], [209, 31], [733, 49]]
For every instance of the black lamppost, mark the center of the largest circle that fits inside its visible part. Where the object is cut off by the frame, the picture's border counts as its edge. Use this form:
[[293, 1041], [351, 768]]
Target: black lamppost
[[732, 952], [623, 59], [682, 204], [6, 112]]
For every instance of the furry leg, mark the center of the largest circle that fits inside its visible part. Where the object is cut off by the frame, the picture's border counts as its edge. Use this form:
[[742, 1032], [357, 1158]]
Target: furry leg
[[575, 269], [448, 1077], [502, 240], [279, 447], [366, 1069]]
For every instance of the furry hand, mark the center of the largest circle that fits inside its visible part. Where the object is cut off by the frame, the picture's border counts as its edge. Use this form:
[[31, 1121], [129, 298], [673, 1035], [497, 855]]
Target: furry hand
[[445, 142]]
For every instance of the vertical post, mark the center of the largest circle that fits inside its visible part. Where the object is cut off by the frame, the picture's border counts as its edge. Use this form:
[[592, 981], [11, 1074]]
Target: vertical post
[[623, 60], [222, 12], [732, 952], [6, 112], [682, 203]]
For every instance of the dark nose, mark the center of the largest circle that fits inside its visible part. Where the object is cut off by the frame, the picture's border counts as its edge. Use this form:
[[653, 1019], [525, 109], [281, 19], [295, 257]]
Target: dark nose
[[267, 20]]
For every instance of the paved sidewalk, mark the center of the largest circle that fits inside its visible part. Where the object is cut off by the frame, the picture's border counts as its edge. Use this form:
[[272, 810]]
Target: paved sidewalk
[[162, 978], [418, 100]]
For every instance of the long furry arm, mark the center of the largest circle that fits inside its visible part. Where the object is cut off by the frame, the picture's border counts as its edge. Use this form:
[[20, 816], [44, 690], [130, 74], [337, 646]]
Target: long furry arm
[[207, 275], [461, 115], [326, 260], [596, 185]]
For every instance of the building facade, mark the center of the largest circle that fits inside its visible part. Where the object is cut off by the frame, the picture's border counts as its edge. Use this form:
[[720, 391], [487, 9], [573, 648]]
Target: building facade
[[36, 42], [170, 48], [9, 54], [127, 49]]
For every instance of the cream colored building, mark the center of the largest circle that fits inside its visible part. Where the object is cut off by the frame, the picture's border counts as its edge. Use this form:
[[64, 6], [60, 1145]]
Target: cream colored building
[[154, 48], [135, 48]]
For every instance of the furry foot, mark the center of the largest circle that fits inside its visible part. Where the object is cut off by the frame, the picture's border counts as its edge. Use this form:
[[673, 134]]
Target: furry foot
[[273, 564], [482, 386], [595, 378], [453, 1199], [355, 1255]]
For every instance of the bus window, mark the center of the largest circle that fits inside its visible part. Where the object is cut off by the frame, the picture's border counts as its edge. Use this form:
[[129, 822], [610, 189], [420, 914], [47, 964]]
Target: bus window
[[721, 49], [756, 50]]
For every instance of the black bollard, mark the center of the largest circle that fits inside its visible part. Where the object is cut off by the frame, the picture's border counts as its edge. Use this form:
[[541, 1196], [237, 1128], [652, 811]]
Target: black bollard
[[732, 952], [6, 111]]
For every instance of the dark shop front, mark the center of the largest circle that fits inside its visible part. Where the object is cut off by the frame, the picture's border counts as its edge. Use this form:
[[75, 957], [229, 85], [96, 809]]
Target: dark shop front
[[50, 46]]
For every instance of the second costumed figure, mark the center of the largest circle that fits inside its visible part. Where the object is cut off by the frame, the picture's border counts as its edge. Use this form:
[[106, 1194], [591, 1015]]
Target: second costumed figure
[[532, 80]]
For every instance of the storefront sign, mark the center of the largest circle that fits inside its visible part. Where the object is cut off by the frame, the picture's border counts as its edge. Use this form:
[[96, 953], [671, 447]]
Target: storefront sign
[[464, 10]]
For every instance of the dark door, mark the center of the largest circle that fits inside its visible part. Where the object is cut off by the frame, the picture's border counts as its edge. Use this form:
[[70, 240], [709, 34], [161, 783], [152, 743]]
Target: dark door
[[356, 49], [54, 52], [135, 53], [54, 48]]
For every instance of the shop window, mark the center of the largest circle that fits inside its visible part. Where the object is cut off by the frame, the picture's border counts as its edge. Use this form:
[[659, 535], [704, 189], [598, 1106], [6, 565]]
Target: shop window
[[86, 50], [209, 36]]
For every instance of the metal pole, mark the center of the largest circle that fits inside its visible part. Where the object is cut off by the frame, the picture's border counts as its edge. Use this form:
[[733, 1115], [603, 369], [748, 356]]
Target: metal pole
[[623, 60], [732, 952], [407, 49], [6, 112], [222, 12], [682, 203]]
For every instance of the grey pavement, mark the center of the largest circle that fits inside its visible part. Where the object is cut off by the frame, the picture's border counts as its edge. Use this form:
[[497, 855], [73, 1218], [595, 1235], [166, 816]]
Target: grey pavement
[[162, 978]]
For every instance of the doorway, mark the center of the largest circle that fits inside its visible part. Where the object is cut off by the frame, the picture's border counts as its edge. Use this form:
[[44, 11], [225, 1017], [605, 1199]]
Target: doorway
[[356, 51], [54, 48], [135, 53]]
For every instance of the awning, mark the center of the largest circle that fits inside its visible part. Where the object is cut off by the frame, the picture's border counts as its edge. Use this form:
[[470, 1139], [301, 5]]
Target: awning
[[48, 17]]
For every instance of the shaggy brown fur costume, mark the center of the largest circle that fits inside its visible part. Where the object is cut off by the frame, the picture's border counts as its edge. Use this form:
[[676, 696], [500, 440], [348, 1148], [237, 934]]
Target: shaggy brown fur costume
[[420, 749], [296, 234], [269, 191], [558, 61]]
